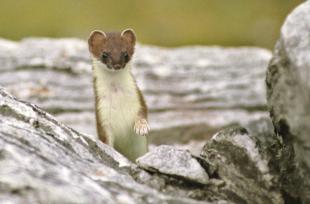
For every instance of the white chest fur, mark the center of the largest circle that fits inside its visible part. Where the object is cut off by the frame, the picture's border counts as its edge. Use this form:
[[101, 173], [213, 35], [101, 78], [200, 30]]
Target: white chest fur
[[118, 103]]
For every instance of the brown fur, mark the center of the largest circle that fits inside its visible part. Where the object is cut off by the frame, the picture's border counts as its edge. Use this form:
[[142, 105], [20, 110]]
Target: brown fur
[[118, 47], [143, 110], [115, 44], [100, 129]]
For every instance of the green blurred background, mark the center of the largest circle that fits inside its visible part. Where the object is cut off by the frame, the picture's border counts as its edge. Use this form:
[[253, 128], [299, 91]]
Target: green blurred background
[[159, 22]]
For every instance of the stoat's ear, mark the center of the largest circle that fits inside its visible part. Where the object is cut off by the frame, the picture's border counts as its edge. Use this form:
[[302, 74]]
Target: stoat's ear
[[95, 41], [130, 35]]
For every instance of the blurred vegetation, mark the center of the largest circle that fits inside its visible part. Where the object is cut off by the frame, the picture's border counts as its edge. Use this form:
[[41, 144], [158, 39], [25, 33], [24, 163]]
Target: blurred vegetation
[[160, 22]]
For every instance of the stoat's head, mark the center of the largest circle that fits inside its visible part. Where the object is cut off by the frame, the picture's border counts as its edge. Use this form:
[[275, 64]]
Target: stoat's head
[[112, 49]]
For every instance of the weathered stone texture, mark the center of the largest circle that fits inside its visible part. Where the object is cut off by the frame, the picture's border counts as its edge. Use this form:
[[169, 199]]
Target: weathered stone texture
[[288, 88]]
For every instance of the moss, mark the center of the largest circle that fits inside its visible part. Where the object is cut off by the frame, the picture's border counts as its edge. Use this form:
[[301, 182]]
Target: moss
[[8, 111]]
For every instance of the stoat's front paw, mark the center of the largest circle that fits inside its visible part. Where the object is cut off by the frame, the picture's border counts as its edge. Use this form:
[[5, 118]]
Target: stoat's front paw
[[141, 127]]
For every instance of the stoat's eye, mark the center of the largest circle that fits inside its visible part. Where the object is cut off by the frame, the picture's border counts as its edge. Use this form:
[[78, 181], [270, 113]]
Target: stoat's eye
[[104, 55], [126, 56]]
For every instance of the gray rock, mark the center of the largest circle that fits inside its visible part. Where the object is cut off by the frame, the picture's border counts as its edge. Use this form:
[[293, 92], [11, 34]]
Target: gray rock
[[243, 164], [169, 160], [44, 161], [288, 83], [189, 90]]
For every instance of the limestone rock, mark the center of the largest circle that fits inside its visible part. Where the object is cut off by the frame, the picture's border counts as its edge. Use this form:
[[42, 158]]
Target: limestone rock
[[44, 161], [243, 164], [168, 160], [288, 83]]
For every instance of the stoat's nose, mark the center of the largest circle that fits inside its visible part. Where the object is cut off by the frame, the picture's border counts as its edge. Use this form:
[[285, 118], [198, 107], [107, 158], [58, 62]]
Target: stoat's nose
[[117, 66]]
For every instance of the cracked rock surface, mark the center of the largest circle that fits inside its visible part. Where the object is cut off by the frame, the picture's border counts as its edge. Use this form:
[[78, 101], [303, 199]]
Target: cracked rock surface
[[44, 161], [288, 88], [242, 162]]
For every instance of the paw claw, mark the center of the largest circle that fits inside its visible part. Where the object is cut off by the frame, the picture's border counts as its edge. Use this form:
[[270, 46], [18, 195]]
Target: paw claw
[[141, 127]]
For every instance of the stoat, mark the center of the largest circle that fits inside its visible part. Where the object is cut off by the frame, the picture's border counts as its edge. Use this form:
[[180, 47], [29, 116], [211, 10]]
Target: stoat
[[121, 111]]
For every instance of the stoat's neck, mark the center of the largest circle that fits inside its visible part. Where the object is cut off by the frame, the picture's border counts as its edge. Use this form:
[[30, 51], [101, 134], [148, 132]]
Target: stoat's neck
[[107, 79], [100, 70]]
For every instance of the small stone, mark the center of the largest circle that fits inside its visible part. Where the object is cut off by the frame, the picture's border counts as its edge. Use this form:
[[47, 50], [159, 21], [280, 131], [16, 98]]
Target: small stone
[[169, 160]]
